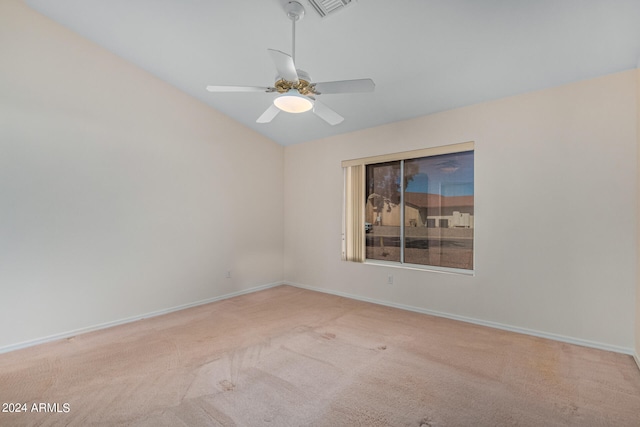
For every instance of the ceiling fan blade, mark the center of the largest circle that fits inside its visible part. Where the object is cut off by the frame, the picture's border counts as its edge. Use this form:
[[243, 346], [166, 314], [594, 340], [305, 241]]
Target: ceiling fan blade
[[239, 89], [284, 64], [326, 113], [269, 114], [345, 86]]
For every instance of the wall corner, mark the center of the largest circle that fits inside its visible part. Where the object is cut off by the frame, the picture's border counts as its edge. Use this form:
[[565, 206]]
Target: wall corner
[[637, 319]]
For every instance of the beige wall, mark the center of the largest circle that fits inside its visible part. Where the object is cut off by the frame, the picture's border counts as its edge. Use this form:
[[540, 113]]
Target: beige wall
[[570, 148], [119, 194]]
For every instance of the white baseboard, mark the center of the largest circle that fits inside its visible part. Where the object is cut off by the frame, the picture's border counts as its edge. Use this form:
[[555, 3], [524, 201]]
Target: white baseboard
[[30, 343], [496, 325], [556, 337]]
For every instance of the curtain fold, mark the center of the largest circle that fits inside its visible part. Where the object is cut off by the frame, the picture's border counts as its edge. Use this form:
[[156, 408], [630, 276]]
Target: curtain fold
[[354, 233]]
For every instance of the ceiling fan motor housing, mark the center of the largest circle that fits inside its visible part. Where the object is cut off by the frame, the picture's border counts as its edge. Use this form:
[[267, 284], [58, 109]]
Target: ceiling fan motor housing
[[304, 85]]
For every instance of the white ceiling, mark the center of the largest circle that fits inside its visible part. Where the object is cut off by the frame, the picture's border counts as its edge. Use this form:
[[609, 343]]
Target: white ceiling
[[425, 56]]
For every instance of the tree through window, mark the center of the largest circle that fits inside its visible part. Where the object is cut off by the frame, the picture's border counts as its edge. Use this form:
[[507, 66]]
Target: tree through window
[[420, 210]]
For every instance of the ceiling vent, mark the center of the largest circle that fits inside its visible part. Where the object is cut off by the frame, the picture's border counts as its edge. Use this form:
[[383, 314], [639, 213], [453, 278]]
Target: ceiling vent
[[329, 7]]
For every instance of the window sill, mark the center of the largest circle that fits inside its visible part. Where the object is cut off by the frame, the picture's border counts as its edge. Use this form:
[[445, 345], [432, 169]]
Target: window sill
[[429, 268]]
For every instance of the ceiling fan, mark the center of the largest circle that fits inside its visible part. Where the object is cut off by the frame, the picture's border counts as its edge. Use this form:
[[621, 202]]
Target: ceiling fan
[[296, 91]]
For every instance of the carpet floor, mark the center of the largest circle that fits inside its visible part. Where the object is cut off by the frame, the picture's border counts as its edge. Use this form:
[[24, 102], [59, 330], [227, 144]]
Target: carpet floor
[[292, 357]]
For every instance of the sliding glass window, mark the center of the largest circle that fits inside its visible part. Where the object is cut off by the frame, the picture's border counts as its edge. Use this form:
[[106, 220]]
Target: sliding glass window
[[420, 210]]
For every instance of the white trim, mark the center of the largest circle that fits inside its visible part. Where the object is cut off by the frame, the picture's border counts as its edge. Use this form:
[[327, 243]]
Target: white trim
[[490, 324], [75, 332], [555, 337], [405, 155], [418, 267]]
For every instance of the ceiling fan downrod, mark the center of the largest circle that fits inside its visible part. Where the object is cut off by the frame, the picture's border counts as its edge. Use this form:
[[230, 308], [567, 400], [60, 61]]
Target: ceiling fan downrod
[[295, 12]]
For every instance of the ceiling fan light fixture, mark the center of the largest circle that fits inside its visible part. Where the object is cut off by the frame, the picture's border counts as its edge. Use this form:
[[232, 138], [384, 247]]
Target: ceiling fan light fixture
[[293, 102]]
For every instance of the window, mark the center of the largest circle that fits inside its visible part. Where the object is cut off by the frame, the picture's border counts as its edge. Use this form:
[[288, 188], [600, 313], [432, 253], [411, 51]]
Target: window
[[414, 208]]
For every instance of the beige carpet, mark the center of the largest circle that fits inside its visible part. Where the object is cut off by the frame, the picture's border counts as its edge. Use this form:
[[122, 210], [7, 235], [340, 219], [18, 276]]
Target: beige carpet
[[291, 357]]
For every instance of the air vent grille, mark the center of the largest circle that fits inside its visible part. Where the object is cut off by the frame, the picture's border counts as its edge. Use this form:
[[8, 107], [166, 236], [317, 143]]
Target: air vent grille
[[327, 7]]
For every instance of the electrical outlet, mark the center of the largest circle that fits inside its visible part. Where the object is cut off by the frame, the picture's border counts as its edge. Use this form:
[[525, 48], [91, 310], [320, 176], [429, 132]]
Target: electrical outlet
[[390, 279], [228, 274]]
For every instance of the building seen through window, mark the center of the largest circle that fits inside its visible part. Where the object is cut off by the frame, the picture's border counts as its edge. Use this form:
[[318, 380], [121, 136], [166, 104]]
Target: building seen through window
[[421, 211]]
